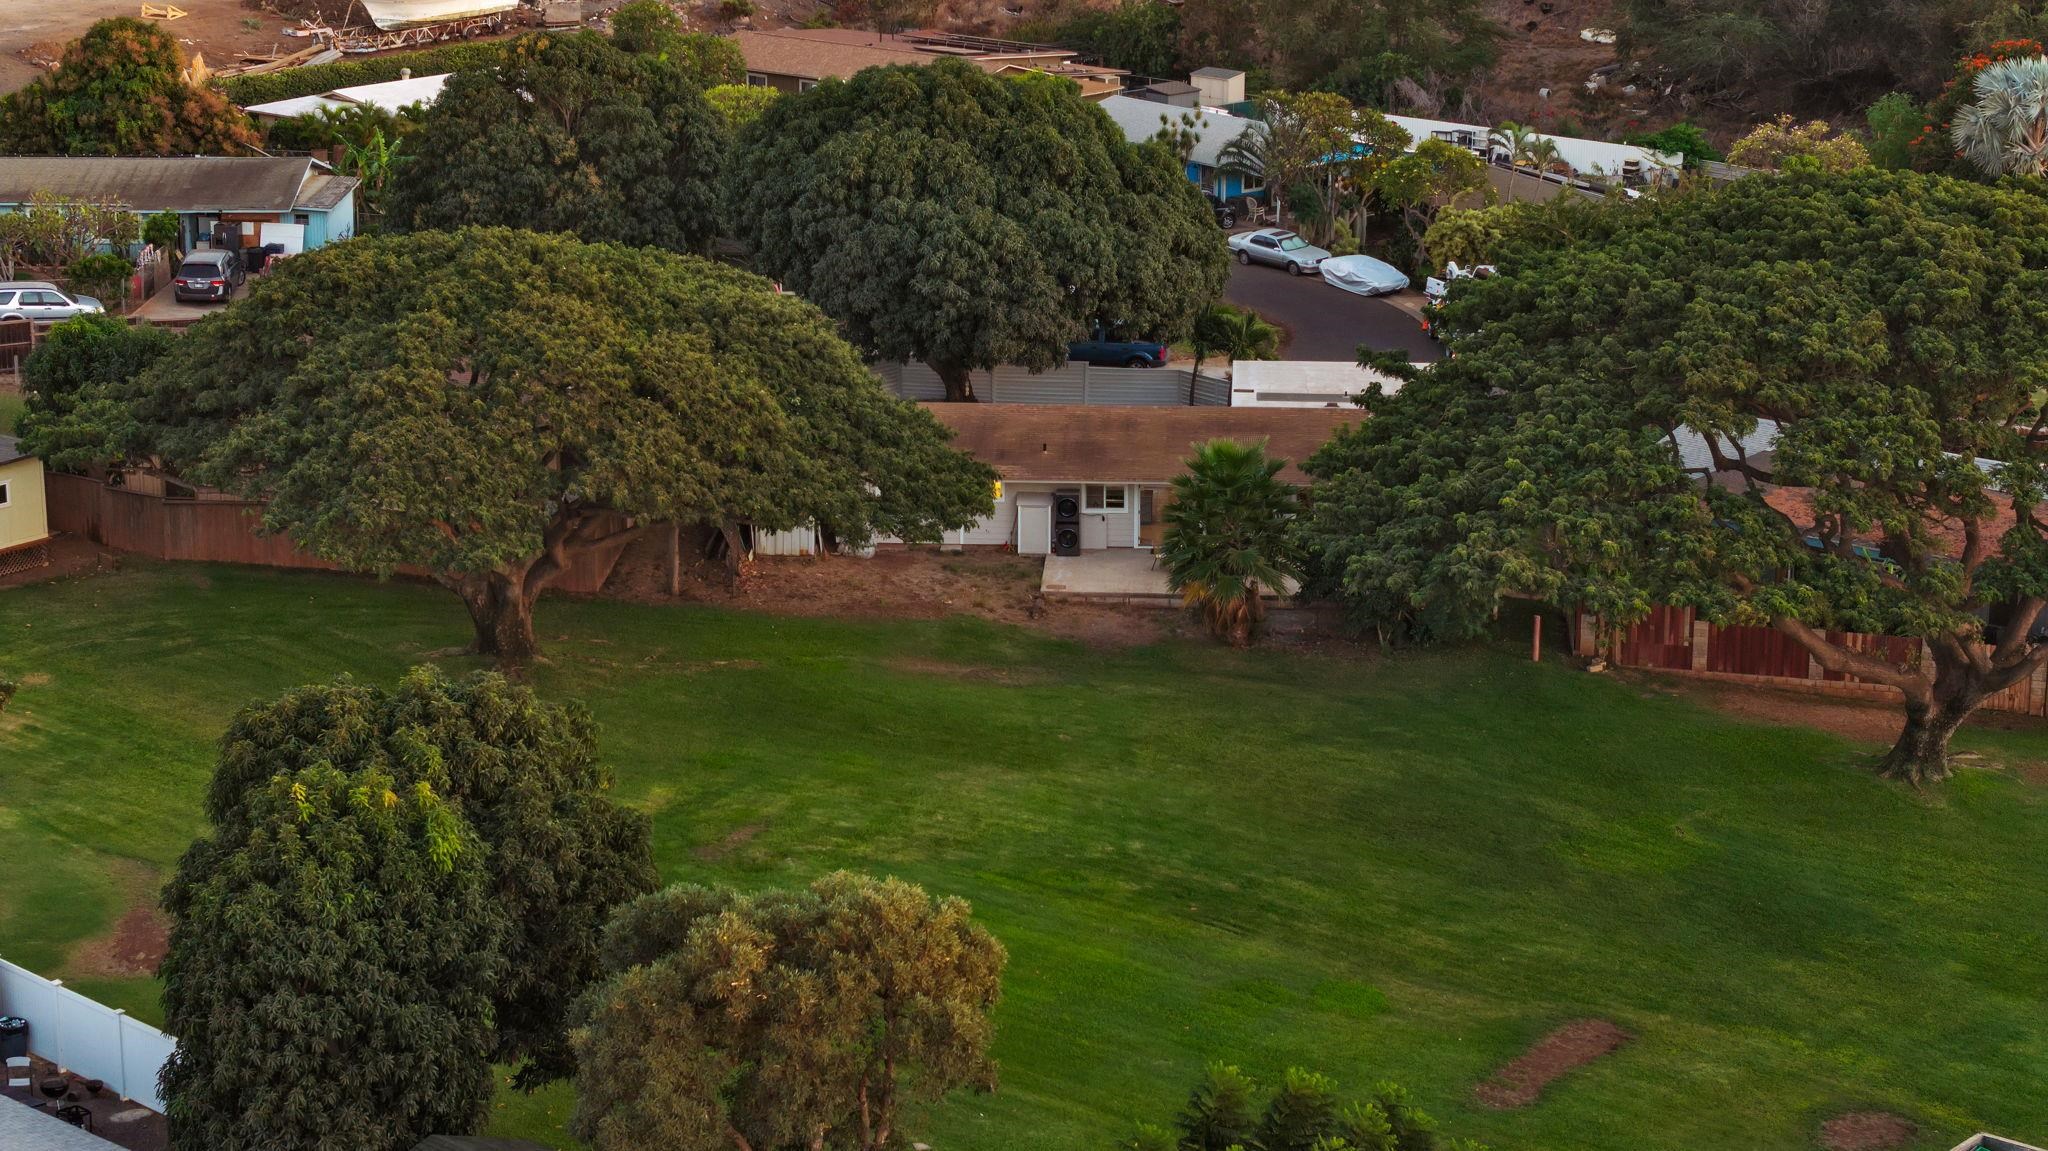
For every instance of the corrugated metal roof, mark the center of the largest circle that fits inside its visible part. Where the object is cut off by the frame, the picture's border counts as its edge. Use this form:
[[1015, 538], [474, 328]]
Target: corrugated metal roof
[[324, 190], [157, 183], [1140, 120], [10, 450], [26, 1128]]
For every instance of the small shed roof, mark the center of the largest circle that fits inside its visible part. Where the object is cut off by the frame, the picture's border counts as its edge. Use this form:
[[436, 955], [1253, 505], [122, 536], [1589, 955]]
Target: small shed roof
[[165, 183], [1172, 88], [1100, 444], [1217, 73], [10, 450]]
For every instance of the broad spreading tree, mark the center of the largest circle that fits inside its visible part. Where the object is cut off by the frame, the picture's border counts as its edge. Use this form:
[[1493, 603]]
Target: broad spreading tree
[[567, 134], [652, 28], [490, 407], [783, 1020], [967, 220], [329, 973], [120, 90], [524, 777], [1892, 328]]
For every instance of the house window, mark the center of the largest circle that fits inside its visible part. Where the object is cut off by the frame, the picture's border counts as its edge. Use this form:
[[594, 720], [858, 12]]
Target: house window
[[806, 85], [755, 79], [1102, 498], [6, 495]]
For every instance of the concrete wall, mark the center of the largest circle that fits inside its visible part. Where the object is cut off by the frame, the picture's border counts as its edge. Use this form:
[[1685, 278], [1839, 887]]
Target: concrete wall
[[24, 519], [86, 1037]]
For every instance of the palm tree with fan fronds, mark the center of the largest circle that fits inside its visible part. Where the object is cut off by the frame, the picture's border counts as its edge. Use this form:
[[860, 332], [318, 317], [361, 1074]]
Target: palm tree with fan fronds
[[2005, 131], [1229, 536]]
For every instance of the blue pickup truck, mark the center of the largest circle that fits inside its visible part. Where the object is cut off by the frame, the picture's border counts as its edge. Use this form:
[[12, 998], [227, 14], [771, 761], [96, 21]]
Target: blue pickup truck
[[1105, 352]]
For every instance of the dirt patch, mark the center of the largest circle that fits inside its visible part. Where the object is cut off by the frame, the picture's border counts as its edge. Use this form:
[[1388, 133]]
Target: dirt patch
[[70, 556], [137, 941], [1867, 1131], [895, 583], [218, 29], [732, 841], [1566, 1049], [1854, 720]]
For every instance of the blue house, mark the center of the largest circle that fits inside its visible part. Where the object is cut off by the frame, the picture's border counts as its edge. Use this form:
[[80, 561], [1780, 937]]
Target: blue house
[[220, 201], [1141, 120]]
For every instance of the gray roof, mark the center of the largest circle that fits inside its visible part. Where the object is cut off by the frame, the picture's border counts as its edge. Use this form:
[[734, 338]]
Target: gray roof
[[1217, 73], [1172, 88], [26, 1128], [10, 451], [158, 183], [1140, 121]]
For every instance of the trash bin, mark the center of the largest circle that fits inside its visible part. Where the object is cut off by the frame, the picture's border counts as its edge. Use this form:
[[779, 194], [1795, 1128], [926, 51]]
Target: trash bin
[[13, 1036]]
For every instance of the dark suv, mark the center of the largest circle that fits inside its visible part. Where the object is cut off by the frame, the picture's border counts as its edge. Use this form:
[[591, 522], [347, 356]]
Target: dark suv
[[1226, 216], [209, 276]]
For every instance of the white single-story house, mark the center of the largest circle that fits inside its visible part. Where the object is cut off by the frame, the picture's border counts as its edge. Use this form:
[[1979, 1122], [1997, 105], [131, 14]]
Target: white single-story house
[[1115, 465], [1419, 128], [1214, 130], [392, 96], [227, 201]]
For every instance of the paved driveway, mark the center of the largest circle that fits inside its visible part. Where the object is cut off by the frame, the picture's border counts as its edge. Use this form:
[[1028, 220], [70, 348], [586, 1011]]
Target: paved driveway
[[1326, 323]]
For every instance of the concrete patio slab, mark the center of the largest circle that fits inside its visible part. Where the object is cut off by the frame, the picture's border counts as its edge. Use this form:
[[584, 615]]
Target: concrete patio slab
[[1114, 575]]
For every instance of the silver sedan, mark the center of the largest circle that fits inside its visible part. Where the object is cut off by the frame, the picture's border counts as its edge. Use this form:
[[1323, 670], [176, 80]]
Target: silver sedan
[[1278, 247]]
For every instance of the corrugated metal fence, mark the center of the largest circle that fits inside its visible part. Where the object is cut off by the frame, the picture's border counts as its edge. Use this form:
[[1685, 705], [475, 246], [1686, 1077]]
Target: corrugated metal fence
[[1675, 639], [86, 1037], [216, 530], [1074, 383]]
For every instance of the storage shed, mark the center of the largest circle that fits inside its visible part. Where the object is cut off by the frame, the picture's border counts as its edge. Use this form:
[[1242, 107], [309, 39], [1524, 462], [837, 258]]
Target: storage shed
[[24, 515]]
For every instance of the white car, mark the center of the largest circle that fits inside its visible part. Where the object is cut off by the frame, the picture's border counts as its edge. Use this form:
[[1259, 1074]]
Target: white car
[[1363, 275], [38, 300], [1278, 247], [1436, 289]]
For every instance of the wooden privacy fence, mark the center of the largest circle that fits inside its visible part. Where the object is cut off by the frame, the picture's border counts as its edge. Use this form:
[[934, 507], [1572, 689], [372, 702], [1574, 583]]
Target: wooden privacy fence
[[1675, 639], [217, 529]]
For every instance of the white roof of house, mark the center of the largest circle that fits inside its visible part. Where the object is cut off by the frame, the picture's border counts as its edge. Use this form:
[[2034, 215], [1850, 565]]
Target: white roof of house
[[1139, 119], [391, 95], [1302, 383], [1422, 129], [1591, 156]]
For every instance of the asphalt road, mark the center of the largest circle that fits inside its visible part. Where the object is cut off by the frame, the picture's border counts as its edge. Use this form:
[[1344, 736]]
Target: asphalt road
[[1326, 323]]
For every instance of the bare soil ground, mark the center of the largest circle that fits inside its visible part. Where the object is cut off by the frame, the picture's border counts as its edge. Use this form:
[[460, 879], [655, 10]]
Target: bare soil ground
[[1867, 1131], [216, 28], [137, 941], [1539, 50], [1564, 1050], [69, 556], [899, 583]]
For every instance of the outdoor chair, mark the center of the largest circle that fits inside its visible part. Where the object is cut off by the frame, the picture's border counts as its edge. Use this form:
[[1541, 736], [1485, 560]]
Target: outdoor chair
[[18, 1073]]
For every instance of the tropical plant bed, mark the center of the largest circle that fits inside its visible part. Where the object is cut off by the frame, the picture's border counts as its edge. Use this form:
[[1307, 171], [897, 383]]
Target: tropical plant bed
[[1404, 868]]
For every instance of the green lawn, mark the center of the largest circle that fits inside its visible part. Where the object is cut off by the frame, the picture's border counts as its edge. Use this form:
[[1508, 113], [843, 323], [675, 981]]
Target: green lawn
[[1404, 868], [10, 411]]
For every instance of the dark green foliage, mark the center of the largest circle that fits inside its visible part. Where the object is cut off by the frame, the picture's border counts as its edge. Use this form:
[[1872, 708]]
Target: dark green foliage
[[1228, 535], [161, 229], [68, 418], [331, 959], [950, 216], [773, 1020], [1893, 324], [1302, 1111], [101, 275], [525, 778], [1410, 1127], [1141, 36], [1895, 122], [652, 28], [314, 79], [1685, 138], [118, 92], [487, 405], [1219, 1113], [356, 125], [568, 134], [1361, 48]]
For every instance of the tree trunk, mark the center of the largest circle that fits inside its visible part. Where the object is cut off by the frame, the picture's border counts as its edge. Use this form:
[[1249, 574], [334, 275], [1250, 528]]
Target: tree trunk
[[959, 383], [1921, 753], [501, 611]]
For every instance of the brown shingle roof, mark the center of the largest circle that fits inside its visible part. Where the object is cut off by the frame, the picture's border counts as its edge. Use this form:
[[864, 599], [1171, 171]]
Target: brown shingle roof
[[1100, 444], [818, 53]]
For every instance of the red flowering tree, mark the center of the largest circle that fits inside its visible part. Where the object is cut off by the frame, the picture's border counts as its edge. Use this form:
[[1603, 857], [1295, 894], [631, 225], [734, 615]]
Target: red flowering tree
[[1933, 150]]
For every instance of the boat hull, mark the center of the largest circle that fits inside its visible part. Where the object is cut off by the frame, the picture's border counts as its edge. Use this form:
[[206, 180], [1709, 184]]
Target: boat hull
[[397, 15]]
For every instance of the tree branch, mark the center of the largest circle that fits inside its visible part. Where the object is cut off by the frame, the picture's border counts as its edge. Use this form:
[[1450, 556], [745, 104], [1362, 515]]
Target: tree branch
[[1842, 661]]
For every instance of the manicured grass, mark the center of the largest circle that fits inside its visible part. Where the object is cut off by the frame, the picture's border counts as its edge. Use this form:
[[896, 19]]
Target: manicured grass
[[1406, 868], [10, 411]]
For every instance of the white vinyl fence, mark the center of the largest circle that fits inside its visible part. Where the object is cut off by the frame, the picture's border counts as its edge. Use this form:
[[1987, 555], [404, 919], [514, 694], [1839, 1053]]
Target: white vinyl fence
[[85, 1037], [1075, 383]]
